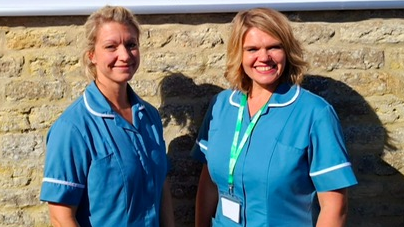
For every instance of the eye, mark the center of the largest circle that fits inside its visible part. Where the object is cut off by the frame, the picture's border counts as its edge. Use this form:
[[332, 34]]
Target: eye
[[251, 49], [132, 46], [110, 47], [275, 47]]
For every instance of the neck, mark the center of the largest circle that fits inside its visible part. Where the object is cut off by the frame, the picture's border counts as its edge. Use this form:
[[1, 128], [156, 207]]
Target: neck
[[116, 95], [257, 97]]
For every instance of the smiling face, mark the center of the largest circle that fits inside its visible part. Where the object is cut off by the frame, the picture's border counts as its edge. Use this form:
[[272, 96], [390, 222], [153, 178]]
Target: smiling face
[[116, 54], [264, 59]]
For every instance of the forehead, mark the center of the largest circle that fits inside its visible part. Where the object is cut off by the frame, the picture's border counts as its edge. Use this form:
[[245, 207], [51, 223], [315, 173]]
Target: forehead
[[257, 36], [115, 29]]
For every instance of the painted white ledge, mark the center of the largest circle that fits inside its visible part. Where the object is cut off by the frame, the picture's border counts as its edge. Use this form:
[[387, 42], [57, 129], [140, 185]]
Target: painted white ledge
[[85, 7]]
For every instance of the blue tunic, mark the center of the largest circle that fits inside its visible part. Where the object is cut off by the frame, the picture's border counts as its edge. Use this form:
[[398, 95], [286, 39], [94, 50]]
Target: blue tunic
[[295, 150], [111, 170]]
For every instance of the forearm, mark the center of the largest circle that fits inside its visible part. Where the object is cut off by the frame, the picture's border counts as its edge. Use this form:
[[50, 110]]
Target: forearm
[[331, 219], [333, 211], [62, 215], [166, 209], [206, 200]]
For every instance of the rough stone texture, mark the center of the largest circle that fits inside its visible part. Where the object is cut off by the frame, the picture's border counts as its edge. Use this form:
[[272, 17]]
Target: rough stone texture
[[357, 62]]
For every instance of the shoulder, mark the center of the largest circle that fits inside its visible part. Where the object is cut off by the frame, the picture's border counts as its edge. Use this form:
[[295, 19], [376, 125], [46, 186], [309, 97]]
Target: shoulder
[[74, 111], [72, 118], [149, 108], [227, 96], [311, 100], [152, 112]]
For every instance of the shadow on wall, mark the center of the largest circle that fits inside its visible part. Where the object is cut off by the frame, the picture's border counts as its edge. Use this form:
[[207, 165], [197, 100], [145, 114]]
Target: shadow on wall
[[184, 104], [378, 199]]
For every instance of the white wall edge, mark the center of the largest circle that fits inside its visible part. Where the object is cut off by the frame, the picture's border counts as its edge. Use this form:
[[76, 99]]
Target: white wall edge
[[80, 7]]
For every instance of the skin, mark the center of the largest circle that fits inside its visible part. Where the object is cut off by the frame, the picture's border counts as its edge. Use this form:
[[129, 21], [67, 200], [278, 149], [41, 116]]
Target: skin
[[333, 208], [264, 61], [116, 57], [206, 199], [166, 211]]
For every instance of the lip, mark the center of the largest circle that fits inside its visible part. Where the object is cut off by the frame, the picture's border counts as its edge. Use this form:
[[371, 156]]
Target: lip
[[122, 66], [265, 68]]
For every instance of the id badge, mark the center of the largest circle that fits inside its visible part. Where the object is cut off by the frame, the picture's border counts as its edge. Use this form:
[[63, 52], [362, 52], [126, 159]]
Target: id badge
[[231, 208]]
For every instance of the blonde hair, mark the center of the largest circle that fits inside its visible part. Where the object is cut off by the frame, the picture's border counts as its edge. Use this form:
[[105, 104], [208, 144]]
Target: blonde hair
[[94, 22], [275, 24]]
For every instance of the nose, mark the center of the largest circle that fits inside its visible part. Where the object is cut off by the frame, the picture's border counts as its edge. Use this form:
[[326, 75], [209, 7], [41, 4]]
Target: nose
[[124, 54], [264, 55]]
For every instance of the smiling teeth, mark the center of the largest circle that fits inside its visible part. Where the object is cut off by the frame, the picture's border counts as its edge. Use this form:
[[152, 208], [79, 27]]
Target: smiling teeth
[[263, 68]]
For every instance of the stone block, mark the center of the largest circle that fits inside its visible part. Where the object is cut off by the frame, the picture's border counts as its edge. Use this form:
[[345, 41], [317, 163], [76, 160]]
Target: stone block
[[42, 117], [11, 66], [27, 146], [172, 62], [35, 90], [13, 121], [313, 33], [373, 31], [330, 59], [55, 66], [203, 36], [36, 38]]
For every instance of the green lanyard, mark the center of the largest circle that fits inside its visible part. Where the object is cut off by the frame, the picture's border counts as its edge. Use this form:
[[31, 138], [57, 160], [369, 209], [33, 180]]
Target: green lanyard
[[236, 149]]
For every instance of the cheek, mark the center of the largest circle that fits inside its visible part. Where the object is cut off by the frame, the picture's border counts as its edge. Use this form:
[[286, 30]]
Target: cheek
[[248, 60], [281, 58]]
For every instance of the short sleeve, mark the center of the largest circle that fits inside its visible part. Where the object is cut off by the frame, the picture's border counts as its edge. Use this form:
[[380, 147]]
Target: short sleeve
[[330, 168], [200, 147], [66, 165]]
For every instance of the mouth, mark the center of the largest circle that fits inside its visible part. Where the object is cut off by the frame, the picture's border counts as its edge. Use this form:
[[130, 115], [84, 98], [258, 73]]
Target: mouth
[[265, 68], [122, 66]]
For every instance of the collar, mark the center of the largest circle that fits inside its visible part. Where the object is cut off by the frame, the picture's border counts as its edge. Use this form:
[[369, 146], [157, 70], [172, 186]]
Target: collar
[[98, 105], [284, 95]]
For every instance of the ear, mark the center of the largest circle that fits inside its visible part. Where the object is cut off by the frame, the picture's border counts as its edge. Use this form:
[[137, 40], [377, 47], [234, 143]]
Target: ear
[[91, 57]]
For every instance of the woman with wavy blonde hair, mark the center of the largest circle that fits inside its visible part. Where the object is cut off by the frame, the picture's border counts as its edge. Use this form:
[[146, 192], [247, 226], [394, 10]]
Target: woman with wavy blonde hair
[[270, 148]]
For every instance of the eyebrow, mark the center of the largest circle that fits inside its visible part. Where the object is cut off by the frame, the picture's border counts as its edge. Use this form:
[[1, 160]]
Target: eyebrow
[[272, 45]]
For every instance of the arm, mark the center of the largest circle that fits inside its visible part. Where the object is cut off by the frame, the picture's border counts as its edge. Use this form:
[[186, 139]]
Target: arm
[[166, 209], [333, 208], [206, 199], [62, 215]]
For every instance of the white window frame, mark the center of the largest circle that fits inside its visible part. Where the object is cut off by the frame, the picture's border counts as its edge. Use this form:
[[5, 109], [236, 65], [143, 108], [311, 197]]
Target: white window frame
[[85, 7]]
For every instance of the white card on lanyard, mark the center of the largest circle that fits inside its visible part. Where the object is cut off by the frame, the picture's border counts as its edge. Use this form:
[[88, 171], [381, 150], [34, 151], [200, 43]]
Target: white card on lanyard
[[231, 209]]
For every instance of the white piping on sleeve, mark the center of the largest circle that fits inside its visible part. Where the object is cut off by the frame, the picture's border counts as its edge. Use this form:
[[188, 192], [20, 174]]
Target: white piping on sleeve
[[330, 169], [202, 145], [56, 181]]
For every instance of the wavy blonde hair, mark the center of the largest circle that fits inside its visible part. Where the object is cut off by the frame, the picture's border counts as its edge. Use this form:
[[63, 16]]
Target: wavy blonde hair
[[94, 22], [276, 25]]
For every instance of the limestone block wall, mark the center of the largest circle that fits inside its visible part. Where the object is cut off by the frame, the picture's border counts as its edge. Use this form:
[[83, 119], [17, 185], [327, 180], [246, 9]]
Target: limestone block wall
[[357, 64]]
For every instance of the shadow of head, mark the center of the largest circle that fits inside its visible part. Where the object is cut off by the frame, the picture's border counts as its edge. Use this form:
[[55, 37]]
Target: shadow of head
[[368, 141], [183, 102], [183, 106]]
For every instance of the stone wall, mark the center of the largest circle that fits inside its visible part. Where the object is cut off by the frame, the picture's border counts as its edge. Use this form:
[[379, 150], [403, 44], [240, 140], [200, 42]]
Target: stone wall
[[357, 64]]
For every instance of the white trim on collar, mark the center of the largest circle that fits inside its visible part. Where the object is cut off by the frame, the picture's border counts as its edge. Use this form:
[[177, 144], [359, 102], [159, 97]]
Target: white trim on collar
[[288, 102], [231, 99], [233, 103], [93, 111]]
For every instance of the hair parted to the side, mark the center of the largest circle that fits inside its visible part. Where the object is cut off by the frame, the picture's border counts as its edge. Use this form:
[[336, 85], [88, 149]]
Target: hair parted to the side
[[94, 22], [275, 24]]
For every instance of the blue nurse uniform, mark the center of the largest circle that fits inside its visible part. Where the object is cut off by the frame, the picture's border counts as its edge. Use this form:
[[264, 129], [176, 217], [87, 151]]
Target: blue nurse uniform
[[295, 150], [113, 171]]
